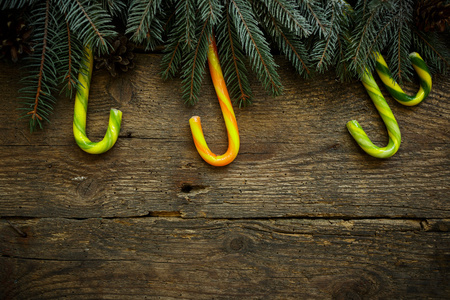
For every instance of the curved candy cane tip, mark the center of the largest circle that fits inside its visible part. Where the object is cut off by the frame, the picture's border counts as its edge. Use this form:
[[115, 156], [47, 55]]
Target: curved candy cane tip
[[205, 152], [117, 113], [366, 144], [415, 54], [197, 131], [420, 65], [109, 140], [353, 123], [385, 112], [395, 90], [194, 119], [115, 121], [79, 119], [378, 56]]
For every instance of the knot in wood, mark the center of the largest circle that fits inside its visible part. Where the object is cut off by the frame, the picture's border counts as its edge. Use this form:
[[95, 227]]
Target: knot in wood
[[355, 288], [87, 188], [347, 294], [237, 244]]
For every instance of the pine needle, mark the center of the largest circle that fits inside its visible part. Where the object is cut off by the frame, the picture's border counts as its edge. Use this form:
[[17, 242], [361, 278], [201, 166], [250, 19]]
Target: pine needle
[[233, 62], [255, 46]]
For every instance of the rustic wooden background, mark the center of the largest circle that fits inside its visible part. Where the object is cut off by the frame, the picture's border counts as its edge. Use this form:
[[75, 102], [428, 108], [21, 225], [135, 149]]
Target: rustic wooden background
[[302, 213]]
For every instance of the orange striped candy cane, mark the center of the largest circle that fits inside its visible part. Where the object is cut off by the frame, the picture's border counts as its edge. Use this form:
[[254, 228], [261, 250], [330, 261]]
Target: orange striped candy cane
[[227, 112]]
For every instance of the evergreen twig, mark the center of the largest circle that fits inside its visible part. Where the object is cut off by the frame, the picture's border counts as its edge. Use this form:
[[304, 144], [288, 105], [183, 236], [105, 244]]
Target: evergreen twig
[[287, 42], [61, 30], [233, 62], [144, 22], [388, 27], [194, 64], [313, 35], [39, 91], [255, 45]]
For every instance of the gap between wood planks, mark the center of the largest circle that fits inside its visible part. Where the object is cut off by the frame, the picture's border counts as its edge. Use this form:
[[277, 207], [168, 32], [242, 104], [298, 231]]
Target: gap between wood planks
[[424, 223]]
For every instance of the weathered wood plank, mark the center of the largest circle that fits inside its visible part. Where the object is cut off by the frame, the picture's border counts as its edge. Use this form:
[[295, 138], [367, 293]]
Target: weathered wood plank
[[223, 259], [296, 158]]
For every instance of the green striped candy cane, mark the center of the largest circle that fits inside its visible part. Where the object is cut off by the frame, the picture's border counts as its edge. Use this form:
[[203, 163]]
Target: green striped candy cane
[[395, 90], [388, 118], [79, 118]]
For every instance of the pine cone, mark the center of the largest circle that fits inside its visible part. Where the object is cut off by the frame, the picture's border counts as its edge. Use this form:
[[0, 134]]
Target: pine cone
[[15, 36], [120, 57], [432, 15]]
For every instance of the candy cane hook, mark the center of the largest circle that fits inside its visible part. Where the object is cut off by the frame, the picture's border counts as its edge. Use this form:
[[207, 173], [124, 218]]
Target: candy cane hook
[[79, 118], [388, 118], [227, 112], [395, 90]]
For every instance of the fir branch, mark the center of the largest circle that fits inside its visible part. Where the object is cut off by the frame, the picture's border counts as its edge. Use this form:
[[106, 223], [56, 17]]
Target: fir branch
[[144, 22], [14, 4], [430, 48], [255, 45], [114, 7], [233, 62], [357, 63], [186, 14], [287, 13], [315, 14], [287, 42], [42, 78], [60, 29], [342, 70], [381, 35], [90, 22], [181, 37], [194, 46], [171, 60], [94, 27], [295, 51], [34, 112], [71, 82], [194, 64], [325, 49], [371, 24], [210, 9], [170, 19], [399, 41], [365, 2], [70, 53]]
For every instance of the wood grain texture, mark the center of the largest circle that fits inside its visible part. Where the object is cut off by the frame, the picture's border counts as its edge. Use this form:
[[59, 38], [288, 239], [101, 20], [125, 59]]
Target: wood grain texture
[[296, 158], [302, 213], [222, 259]]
